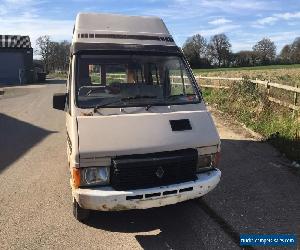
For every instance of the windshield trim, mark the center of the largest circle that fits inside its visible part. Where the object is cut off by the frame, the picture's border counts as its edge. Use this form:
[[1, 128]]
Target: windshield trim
[[122, 52]]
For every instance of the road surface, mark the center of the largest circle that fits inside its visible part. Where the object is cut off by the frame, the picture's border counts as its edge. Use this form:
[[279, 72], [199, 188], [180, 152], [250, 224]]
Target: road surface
[[258, 193]]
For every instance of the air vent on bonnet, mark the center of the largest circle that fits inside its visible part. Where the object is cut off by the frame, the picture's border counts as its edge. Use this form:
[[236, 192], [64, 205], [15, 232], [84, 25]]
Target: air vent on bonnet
[[180, 125]]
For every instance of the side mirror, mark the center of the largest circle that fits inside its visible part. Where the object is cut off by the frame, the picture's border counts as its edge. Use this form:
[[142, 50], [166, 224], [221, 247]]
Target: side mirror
[[59, 101]]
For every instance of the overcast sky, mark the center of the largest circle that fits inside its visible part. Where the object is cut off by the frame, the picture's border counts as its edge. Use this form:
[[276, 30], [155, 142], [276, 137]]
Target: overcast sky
[[245, 22]]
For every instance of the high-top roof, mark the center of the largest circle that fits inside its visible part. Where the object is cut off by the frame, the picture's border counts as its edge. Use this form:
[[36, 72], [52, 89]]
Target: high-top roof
[[120, 29]]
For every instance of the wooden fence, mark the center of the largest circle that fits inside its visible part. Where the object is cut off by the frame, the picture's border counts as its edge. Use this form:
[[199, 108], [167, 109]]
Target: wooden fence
[[266, 84]]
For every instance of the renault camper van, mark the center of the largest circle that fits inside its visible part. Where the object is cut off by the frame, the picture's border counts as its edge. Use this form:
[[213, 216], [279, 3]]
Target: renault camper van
[[138, 132]]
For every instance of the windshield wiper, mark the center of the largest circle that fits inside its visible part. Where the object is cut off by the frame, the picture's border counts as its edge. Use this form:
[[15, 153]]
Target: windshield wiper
[[180, 95], [136, 97], [106, 104], [141, 97], [123, 100]]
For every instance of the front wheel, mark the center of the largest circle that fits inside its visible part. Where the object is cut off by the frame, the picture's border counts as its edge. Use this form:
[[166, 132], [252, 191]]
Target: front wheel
[[80, 213]]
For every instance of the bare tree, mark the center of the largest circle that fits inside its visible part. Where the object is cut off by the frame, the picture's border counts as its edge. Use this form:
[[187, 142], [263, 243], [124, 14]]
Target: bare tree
[[55, 55], [195, 49], [295, 50], [244, 58], [59, 58], [219, 50], [43, 49], [286, 54], [266, 51], [65, 54]]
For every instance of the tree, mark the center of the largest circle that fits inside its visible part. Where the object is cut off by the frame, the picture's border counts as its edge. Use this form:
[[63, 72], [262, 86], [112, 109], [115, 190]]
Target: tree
[[195, 50], [285, 54], [219, 50], [43, 49], [266, 51], [295, 51], [59, 57], [65, 54], [244, 58], [54, 55]]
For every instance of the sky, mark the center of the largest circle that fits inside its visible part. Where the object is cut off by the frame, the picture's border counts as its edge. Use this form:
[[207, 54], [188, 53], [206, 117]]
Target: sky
[[244, 22]]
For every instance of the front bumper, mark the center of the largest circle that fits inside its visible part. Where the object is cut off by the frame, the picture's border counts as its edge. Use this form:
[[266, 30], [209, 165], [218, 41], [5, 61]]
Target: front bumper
[[108, 199]]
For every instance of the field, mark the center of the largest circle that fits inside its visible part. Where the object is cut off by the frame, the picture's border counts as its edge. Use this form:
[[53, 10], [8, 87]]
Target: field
[[249, 104], [283, 74]]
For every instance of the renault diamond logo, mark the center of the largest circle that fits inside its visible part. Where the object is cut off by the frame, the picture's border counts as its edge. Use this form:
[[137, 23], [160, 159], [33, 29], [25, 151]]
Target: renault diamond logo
[[159, 172]]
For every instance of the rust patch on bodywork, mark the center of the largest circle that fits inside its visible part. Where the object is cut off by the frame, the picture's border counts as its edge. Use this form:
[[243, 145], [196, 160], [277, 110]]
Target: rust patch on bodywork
[[87, 113], [119, 208]]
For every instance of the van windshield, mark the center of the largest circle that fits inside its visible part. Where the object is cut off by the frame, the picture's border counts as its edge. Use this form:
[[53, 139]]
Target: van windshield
[[133, 80]]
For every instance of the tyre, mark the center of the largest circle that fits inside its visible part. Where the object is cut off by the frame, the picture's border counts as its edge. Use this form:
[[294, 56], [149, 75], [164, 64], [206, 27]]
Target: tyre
[[80, 213]]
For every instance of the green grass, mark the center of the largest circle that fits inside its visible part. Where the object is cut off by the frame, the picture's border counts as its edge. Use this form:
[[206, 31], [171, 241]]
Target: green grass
[[248, 105], [63, 75], [292, 66]]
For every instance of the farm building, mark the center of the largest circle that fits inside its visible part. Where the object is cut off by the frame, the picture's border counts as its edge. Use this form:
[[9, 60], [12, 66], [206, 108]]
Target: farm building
[[16, 60]]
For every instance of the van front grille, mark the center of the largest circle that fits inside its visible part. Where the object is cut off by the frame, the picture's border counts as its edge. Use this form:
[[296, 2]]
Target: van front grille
[[151, 170]]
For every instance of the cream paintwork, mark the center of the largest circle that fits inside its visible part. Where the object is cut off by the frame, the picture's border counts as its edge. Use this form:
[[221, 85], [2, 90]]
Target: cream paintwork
[[126, 134], [71, 118], [96, 137], [108, 199], [95, 23]]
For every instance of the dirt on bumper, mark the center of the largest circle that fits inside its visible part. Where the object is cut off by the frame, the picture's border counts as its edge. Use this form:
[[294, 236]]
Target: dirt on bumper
[[108, 199]]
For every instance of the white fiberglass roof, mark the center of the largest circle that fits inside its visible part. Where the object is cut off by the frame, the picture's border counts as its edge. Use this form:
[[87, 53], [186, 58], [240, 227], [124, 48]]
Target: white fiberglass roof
[[120, 29]]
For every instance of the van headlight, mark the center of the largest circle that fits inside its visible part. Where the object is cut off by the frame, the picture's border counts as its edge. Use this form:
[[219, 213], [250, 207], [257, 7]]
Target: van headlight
[[94, 176], [207, 162]]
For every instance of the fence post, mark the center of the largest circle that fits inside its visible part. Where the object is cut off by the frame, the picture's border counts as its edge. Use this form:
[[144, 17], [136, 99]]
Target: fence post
[[295, 101], [268, 87], [295, 96]]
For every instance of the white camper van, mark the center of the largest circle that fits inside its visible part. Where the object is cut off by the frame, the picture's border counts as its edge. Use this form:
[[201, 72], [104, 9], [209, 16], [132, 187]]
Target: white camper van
[[138, 132]]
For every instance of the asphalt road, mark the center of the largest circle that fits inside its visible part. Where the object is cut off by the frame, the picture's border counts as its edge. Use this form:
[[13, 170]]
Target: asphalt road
[[258, 193]]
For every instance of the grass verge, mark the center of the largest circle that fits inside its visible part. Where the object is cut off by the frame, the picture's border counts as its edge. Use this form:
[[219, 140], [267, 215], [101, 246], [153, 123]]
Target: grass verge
[[251, 107]]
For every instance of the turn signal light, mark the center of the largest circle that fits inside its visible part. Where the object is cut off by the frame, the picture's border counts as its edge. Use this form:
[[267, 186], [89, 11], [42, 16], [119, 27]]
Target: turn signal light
[[76, 177]]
